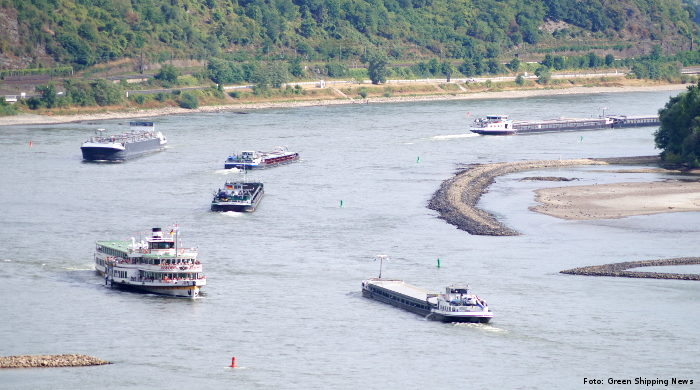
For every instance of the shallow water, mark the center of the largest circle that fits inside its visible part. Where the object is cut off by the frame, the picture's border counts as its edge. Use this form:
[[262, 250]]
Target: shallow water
[[283, 292]]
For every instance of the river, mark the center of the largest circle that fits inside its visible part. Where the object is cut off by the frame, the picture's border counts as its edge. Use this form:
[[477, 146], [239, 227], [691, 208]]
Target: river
[[283, 293]]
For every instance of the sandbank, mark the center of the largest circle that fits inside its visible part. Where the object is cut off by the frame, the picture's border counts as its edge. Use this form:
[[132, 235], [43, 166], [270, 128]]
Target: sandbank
[[618, 200], [31, 119], [456, 199]]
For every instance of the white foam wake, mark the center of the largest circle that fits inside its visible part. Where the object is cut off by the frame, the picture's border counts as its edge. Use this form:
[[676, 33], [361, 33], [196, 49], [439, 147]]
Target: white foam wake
[[227, 171], [453, 136]]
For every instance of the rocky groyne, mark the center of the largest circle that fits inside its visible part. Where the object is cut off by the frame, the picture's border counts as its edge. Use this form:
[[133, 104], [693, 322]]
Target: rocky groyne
[[69, 360], [457, 197], [621, 269]]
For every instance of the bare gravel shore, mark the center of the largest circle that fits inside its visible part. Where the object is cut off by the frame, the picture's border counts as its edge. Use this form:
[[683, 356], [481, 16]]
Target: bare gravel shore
[[457, 197], [618, 200], [620, 269], [28, 361], [32, 119]]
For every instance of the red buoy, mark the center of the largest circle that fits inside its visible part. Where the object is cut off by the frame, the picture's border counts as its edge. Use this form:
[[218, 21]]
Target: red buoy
[[233, 362]]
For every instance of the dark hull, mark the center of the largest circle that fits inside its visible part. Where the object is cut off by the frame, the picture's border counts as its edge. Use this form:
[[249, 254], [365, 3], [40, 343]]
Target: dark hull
[[266, 163], [399, 300], [131, 150], [504, 132], [449, 318]]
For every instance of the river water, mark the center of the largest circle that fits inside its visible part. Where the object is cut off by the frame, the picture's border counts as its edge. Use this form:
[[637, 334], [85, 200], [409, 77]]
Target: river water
[[283, 293]]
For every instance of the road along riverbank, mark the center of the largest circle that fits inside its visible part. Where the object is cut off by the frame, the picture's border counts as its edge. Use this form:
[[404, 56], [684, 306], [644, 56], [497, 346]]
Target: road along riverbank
[[621, 269], [457, 197], [69, 360], [33, 119]]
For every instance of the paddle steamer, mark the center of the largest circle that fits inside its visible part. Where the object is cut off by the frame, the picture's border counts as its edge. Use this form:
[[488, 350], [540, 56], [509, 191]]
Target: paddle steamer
[[155, 265]]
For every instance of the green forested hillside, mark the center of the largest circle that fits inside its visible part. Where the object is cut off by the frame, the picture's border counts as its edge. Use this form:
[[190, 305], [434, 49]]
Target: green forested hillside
[[86, 32]]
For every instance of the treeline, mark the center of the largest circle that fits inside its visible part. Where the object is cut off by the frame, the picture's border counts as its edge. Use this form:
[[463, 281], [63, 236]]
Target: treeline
[[678, 137], [86, 32]]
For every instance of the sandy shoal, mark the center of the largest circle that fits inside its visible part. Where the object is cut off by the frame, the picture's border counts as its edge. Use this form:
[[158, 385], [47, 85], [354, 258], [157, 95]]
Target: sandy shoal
[[32, 119], [618, 200]]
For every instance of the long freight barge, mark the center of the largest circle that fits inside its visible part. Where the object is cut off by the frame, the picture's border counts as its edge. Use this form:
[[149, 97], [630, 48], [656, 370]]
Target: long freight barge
[[456, 305], [501, 125]]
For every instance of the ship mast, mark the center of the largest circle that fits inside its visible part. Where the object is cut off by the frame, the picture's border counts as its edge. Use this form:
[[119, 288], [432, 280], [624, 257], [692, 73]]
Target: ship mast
[[381, 262]]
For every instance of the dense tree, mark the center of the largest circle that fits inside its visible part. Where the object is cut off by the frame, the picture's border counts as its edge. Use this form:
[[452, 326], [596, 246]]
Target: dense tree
[[377, 67], [544, 75], [167, 73], [48, 95], [83, 32], [514, 65], [679, 134]]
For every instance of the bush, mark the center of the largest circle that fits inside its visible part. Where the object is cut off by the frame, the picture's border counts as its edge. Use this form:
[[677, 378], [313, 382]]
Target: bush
[[234, 94], [6, 108], [167, 73], [139, 99], [188, 100], [520, 80], [362, 92]]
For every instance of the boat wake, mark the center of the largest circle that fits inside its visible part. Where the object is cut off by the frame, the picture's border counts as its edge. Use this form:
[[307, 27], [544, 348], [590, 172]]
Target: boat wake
[[85, 268], [453, 136], [483, 327], [232, 214], [227, 171]]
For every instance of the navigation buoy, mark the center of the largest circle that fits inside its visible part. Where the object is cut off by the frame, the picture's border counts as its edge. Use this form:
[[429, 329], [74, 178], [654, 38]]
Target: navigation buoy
[[341, 203], [30, 144], [438, 262], [580, 139], [233, 362], [418, 159]]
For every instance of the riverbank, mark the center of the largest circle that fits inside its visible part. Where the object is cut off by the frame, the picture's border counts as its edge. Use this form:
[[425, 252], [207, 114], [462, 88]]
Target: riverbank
[[457, 197], [620, 269], [30, 361], [32, 119]]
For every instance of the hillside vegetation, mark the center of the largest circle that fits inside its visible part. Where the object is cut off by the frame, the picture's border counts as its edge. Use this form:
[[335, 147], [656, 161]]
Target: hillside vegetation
[[82, 33]]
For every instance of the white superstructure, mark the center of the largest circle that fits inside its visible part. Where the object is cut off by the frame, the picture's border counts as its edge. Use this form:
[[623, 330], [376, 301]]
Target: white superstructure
[[156, 265]]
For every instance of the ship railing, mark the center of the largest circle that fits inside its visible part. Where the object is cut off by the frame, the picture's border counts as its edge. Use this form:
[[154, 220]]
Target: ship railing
[[167, 281]]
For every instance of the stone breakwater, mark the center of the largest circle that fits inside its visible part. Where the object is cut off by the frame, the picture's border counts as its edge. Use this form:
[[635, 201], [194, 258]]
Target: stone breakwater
[[621, 269], [457, 197], [70, 360]]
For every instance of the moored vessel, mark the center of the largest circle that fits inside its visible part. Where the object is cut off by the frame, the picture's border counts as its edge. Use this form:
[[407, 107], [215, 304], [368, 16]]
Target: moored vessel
[[501, 125], [457, 304], [254, 160], [155, 265], [238, 196], [140, 140]]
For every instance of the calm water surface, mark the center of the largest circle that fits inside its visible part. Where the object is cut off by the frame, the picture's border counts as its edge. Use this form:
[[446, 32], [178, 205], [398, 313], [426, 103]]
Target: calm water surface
[[283, 292]]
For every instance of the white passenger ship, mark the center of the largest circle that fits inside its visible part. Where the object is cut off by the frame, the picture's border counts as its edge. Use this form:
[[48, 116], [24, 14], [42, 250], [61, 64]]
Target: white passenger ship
[[156, 265]]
